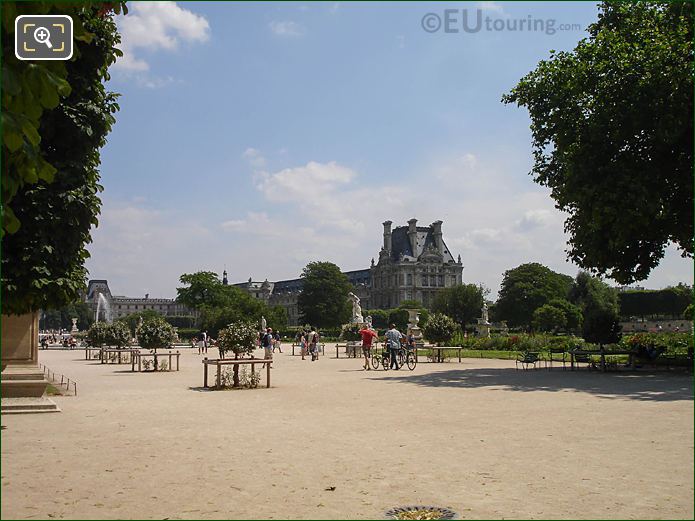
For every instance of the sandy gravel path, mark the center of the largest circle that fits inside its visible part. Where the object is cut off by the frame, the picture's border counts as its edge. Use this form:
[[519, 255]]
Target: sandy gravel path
[[478, 437]]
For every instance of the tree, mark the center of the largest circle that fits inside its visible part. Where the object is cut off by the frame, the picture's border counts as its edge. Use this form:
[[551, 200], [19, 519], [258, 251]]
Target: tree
[[549, 318], [612, 127], [323, 300], [155, 333], [526, 288], [688, 312], [665, 302], [118, 334], [599, 305], [462, 302], [203, 288], [98, 334], [132, 320], [50, 176], [440, 328], [240, 338], [573, 315], [31, 89]]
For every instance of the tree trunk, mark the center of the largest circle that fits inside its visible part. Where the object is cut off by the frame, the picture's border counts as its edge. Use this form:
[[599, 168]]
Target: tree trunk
[[236, 371]]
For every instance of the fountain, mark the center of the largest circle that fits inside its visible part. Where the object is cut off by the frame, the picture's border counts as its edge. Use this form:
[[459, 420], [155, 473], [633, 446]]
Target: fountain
[[102, 302]]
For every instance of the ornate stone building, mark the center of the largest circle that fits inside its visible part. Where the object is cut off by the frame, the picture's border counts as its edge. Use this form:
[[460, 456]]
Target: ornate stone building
[[120, 306], [414, 264]]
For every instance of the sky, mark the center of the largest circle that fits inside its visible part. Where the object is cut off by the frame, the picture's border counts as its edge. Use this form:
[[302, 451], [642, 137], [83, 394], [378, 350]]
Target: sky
[[258, 137]]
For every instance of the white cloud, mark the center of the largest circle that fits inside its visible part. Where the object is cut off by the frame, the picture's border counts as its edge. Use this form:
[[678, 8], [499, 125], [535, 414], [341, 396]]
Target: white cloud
[[286, 28], [254, 157], [310, 182], [154, 26], [141, 250]]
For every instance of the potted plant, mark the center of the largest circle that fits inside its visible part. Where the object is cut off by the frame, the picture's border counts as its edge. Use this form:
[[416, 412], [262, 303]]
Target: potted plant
[[240, 338]]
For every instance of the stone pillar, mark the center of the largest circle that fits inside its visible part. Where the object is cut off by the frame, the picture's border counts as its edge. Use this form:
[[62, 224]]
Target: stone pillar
[[387, 235], [22, 382], [437, 233], [412, 235]]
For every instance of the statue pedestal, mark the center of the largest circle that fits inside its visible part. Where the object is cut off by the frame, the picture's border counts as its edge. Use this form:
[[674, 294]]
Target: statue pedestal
[[413, 319], [22, 383], [483, 328]]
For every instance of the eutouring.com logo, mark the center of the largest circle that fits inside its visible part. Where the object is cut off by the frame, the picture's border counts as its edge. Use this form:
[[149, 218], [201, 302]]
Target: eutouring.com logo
[[473, 21]]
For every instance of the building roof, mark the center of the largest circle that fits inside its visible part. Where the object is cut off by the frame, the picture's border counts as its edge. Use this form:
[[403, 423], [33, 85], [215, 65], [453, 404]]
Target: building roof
[[400, 243]]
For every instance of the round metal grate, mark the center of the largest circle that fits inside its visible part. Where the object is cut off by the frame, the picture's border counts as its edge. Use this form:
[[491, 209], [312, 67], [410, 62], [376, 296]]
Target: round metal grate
[[420, 512]]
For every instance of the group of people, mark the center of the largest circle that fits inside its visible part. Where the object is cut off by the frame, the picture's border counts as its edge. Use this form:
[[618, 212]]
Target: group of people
[[203, 343], [308, 341], [394, 340], [66, 341]]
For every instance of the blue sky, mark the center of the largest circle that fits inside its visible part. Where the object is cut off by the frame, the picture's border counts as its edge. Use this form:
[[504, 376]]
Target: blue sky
[[261, 136]]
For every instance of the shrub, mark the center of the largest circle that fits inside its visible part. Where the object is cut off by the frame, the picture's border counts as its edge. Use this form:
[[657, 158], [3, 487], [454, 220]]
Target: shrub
[[155, 333], [350, 332], [440, 328], [98, 334]]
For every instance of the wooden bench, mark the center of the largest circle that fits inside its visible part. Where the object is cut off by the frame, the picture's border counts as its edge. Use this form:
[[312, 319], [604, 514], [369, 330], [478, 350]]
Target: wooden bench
[[437, 352], [138, 355], [105, 358], [219, 362], [89, 350]]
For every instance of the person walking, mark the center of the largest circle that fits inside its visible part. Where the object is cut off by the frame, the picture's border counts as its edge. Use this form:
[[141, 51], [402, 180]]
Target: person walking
[[313, 341], [368, 335], [205, 341], [393, 337], [277, 342], [301, 340], [267, 343]]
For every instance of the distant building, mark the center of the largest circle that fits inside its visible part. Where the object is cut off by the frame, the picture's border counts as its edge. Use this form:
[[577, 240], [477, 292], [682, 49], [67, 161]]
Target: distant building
[[414, 264], [120, 306]]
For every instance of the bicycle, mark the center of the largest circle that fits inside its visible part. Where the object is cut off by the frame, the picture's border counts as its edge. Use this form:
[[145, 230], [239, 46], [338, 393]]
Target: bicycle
[[405, 356]]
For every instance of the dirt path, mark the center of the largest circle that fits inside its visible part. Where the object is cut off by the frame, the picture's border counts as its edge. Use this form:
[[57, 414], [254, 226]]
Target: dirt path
[[478, 437]]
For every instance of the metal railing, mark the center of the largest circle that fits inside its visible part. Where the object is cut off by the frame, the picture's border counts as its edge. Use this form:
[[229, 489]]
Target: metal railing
[[64, 380]]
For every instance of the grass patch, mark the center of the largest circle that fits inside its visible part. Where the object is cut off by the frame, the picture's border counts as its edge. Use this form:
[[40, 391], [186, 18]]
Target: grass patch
[[52, 390]]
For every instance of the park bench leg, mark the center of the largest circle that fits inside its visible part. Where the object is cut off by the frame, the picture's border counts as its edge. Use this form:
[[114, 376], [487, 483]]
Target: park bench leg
[[267, 375], [205, 374], [219, 377]]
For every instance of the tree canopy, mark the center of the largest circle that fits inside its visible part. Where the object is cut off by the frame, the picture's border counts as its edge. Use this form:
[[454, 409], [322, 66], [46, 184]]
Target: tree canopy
[[670, 302], [323, 301], [219, 304], [526, 288], [55, 119], [462, 302], [599, 305], [612, 127]]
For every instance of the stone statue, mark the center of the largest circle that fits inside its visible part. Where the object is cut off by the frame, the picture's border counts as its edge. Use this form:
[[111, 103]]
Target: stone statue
[[264, 324], [485, 315], [368, 320], [356, 308], [74, 325]]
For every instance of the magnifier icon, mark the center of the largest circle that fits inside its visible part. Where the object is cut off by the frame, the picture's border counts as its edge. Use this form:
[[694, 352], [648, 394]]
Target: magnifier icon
[[42, 35]]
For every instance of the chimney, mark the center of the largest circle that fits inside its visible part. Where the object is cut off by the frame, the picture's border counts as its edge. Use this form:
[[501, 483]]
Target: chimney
[[387, 235], [412, 235], [437, 233]]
